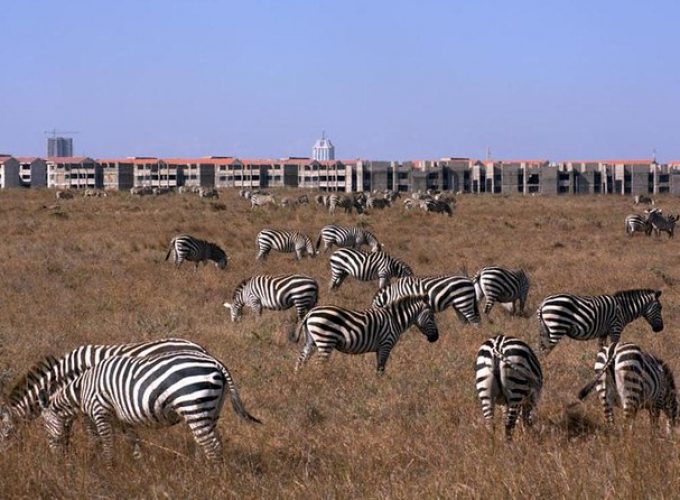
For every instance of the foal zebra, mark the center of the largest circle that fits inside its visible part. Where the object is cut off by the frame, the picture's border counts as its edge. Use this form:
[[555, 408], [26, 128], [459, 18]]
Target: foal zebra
[[357, 332], [158, 391], [508, 373], [498, 284], [660, 223], [586, 318], [630, 377], [283, 241], [194, 250], [638, 223], [365, 267], [457, 292], [348, 237], [274, 292], [52, 374]]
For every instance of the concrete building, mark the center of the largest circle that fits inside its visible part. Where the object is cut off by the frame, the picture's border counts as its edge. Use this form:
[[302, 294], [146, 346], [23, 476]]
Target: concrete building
[[118, 174], [195, 172], [9, 172], [76, 172], [59, 147], [154, 172], [323, 149], [33, 171]]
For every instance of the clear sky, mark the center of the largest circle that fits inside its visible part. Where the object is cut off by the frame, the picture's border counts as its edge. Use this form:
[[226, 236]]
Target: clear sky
[[386, 79]]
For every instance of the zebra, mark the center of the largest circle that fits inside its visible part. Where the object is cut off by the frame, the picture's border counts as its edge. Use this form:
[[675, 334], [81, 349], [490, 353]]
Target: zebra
[[498, 284], [358, 332], [53, 373], [437, 206], [366, 267], [457, 292], [377, 203], [260, 200], [508, 372], [194, 250], [642, 199], [284, 241], [336, 200], [586, 317], [159, 391], [628, 376], [660, 223], [321, 200], [274, 292], [638, 223], [348, 237]]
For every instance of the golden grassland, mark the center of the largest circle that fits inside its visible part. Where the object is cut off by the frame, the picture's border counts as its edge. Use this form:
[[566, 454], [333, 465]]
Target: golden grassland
[[93, 271]]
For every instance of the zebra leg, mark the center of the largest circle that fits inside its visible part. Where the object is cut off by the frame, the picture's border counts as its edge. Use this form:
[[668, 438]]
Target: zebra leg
[[490, 301], [527, 415], [307, 351], [133, 438], [207, 438], [257, 306], [264, 251], [511, 414], [105, 431], [337, 279], [654, 413], [383, 354], [91, 430]]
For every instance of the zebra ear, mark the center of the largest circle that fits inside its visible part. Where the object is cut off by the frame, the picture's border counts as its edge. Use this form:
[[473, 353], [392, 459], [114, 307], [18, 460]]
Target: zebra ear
[[43, 399], [658, 294], [227, 305]]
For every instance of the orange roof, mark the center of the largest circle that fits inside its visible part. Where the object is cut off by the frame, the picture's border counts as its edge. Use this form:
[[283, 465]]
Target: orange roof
[[28, 159], [68, 159], [628, 162]]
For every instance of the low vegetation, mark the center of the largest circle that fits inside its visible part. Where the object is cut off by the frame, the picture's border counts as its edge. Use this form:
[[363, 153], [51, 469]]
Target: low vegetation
[[92, 270]]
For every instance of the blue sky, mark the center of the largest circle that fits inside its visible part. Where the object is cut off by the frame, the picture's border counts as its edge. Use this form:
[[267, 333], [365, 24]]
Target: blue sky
[[385, 79]]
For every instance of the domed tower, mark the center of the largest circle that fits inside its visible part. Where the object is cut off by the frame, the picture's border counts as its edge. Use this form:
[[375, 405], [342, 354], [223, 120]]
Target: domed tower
[[323, 149]]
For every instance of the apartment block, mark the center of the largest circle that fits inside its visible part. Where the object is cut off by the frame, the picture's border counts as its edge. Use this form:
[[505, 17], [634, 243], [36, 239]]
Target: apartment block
[[75, 172], [118, 174], [9, 172], [33, 171]]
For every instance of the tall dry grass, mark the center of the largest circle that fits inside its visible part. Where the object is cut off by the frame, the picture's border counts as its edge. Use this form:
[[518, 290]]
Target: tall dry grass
[[93, 271]]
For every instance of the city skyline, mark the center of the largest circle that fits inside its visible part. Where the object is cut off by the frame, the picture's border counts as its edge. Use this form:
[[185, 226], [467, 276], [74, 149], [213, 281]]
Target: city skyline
[[387, 79]]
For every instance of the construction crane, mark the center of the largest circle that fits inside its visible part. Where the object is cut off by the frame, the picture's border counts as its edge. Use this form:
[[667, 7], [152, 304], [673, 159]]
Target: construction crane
[[54, 132]]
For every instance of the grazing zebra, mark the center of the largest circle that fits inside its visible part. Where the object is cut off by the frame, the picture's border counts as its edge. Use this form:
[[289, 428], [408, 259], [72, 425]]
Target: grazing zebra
[[628, 376], [366, 267], [357, 332], [507, 286], [51, 374], [437, 206], [284, 241], [642, 199], [638, 223], [586, 318], [660, 223], [378, 203], [274, 292], [508, 373], [194, 250], [155, 391], [321, 200], [337, 200], [260, 200], [347, 237], [457, 292]]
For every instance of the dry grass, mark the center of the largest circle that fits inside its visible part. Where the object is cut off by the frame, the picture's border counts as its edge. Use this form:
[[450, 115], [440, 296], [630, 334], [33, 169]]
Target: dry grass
[[92, 271]]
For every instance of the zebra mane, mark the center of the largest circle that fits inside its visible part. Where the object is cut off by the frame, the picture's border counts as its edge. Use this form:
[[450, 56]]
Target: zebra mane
[[32, 378], [410, 299], [241, 285], [625, 294]]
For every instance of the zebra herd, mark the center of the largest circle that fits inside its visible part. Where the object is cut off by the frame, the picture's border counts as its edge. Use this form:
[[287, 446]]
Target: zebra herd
[[165, 382], [652, 220]]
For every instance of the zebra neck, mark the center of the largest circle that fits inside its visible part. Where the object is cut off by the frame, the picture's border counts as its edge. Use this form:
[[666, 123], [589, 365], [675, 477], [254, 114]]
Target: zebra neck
[[630, 305]]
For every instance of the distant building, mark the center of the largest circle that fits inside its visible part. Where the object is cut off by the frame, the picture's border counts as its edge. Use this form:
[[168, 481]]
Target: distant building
[[33, 171], [9, 172], [323, 149], [74, 173], [58, 147]]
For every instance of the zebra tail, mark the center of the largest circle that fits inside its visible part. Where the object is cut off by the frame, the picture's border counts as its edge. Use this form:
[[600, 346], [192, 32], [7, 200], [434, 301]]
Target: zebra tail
[[318, 243], [172, 245], [295, 334], [236, 402], [515, 366], [583, 393]]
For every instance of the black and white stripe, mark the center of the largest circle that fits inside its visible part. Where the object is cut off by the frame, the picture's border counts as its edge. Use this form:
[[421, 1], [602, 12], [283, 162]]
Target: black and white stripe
[[284, 241], [195, 250], [508, 373], [437, 206], [638, 223], [357, 332], [506, 286], [366, 267], [52, 373], [661, 223], [596, 317], [630, 377], [346, 237], [457, 292], [260, 200], [342, 201], [154, 391], [274, 292]]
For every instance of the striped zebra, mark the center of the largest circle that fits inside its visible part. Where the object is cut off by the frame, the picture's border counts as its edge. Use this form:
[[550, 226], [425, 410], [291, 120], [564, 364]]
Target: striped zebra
[[457, 292], [596, 317], [638, 223], [366, 267], [194, 250], [437, 206], [506, 286], [274, 292], [260, 200], [52, 373], [154, 391], [661, 223], [337, 200], [358, 332], [283, 241], [630, 377], [508, 373], [347, 237]]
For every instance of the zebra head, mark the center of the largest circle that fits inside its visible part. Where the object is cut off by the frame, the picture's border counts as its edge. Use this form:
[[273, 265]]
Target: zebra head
[[236, 307], [426, 323], [372, 241], [218, 256], [635, 303], [56, 424], [652, 313]]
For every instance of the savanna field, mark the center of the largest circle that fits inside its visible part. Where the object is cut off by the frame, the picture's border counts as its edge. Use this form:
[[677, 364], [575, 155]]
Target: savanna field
[[94, 271]]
